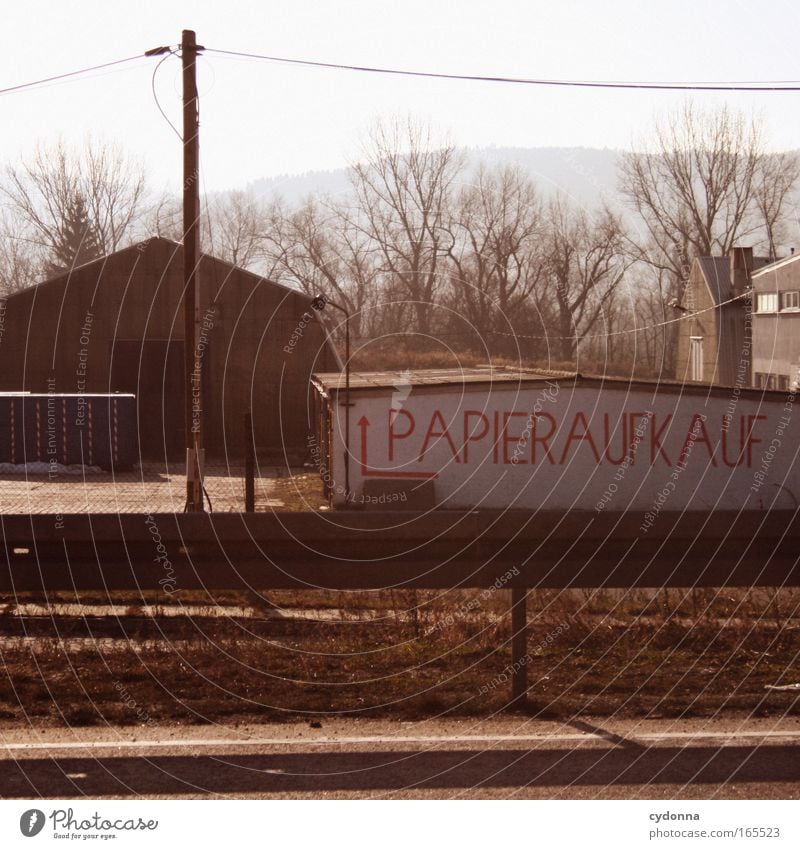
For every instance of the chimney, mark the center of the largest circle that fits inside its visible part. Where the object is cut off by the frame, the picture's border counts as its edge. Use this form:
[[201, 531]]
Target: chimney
[[741, 269]]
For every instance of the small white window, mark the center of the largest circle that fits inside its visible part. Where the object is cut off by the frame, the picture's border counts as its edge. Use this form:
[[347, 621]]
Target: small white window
[[767, 302], [696, 357], [790, 300]]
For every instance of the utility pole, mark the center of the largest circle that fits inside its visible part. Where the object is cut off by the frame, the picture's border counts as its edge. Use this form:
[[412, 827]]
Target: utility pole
[[191, 278]]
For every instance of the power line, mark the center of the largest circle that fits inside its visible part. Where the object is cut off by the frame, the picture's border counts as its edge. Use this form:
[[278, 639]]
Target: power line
[[65, 76], [168, 53], [642, 328], [639, 329], [764, 85], [781, 85]]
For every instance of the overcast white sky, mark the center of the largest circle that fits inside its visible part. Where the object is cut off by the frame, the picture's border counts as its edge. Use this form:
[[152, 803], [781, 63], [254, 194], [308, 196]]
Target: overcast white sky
[[261, 119]]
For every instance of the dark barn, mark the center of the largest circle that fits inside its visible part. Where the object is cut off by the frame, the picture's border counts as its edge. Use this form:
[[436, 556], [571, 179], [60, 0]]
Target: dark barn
[[116, 325]]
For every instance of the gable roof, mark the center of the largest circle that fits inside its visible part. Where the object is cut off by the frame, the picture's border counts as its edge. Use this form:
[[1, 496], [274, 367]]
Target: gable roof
[[716, 272], [170, 249]]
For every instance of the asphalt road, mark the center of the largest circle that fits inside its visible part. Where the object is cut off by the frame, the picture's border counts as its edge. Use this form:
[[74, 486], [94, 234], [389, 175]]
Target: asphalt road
[[508, 757]]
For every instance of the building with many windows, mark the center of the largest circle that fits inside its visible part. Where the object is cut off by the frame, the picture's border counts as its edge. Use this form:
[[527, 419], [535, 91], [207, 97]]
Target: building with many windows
[[776, 325]]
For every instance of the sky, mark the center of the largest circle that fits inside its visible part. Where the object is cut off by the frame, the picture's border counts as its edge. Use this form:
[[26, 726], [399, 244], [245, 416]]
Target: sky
[[263, 119]]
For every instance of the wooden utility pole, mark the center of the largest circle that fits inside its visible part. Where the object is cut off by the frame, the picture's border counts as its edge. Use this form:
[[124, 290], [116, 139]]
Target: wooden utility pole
[[191, 280]]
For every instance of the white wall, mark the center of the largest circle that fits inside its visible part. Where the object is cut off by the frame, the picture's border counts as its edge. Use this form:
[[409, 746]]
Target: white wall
[[560, 447]]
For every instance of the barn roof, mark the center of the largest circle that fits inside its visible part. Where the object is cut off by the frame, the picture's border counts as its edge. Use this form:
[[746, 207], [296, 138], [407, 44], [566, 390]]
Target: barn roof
[[169, 248]]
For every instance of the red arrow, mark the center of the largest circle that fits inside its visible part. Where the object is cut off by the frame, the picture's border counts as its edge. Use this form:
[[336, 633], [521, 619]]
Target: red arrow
[[364, 423]]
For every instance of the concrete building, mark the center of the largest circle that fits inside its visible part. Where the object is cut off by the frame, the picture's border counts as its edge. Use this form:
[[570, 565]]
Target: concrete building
[[116, 325], [776, 325]]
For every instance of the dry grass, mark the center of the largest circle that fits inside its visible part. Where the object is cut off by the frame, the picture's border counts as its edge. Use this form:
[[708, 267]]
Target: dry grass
[[407, 654]]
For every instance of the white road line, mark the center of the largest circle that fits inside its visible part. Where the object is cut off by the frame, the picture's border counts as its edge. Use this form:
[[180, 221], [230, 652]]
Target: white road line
[[222, 742]]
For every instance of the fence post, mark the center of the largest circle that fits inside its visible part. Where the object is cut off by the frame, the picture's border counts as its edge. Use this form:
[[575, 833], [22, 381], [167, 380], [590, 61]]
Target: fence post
[[249, 465], [519, 644]]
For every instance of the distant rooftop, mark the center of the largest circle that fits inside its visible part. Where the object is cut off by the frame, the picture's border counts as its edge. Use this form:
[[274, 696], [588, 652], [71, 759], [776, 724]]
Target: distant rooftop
[[717, 274], [504, 376], [774, 266], [436, 377]]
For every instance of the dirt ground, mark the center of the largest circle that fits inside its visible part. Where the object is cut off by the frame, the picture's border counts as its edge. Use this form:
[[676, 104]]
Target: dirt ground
[[151, 488]]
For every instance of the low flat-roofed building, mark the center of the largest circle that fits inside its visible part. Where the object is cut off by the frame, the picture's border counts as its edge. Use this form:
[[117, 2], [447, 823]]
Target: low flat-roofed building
[[509, 439]]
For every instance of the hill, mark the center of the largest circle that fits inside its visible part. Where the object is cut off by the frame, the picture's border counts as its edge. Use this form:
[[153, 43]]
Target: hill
[[587, 175]]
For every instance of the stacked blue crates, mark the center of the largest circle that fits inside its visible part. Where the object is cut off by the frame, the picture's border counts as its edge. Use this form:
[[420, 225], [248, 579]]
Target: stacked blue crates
[[68, 429]]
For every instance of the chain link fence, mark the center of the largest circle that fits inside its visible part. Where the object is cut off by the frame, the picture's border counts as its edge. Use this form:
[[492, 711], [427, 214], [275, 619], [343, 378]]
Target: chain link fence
[[150, 488]]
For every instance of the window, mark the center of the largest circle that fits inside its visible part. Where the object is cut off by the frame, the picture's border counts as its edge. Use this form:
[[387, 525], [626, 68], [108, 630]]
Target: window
[[783, 381], [770, 381], [790, 300], [767, 302], [760, 380], [696, 357]]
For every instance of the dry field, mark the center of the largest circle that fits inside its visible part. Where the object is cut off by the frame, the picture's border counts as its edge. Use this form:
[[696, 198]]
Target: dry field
[[405, 654], [134, 659]]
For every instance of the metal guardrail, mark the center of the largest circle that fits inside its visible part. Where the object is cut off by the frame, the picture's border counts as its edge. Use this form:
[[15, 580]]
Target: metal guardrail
[[375, 550], [378, 550]]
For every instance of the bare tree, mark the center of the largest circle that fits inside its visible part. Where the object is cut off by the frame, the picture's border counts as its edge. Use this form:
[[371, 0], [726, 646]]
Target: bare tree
[[164, 218], [234, 228], [58, 185], [402, 192], [19, 263], [497, 229], [705, 184], [585, 263], [319, 249], [776, 178]]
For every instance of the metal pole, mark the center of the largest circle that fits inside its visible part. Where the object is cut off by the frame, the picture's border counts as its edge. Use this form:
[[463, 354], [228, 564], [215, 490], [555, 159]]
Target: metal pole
[[319, 303], [519, 644], [249, 466], [347, 409], [191, 259]]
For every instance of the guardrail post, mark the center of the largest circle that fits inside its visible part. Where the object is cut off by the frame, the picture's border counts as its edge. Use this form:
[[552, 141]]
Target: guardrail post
[[519, 644], [249, 466]]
